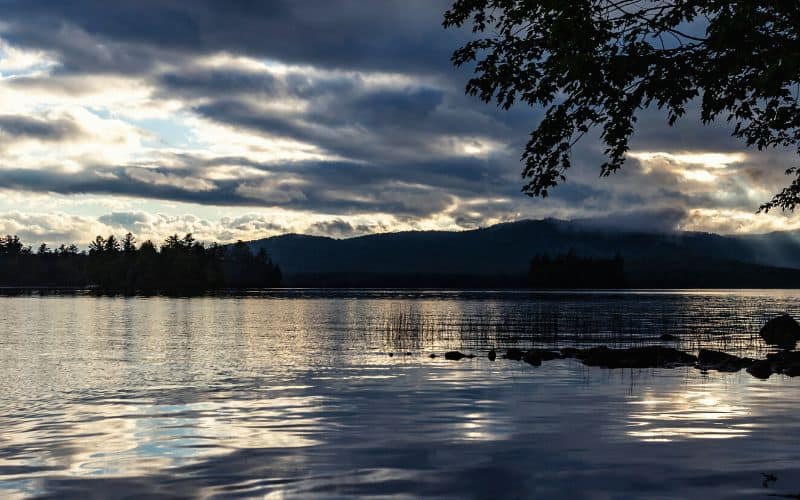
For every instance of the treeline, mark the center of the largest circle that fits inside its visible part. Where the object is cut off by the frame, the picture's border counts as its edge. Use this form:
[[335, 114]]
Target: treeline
[[178, 264], [571, 271]]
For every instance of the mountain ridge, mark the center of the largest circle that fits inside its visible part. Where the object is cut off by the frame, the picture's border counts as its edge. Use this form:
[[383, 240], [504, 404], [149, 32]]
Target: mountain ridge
[[505, 249]]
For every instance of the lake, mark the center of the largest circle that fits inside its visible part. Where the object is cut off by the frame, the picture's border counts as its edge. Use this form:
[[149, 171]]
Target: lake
[[293, 394]]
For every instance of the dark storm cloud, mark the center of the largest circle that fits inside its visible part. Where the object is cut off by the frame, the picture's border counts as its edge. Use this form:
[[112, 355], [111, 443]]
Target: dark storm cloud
[[332, 187], [653, 133], [460, 176], [389, 35], [19, 127], [194, 83], [361, 123], [399, 137], [102, 181]]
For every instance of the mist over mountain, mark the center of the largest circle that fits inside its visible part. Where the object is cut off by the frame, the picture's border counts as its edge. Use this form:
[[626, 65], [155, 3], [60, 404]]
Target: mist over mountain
[[500, 255]]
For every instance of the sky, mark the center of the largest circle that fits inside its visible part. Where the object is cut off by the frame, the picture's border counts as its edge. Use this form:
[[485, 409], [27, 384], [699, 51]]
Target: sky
[[244, 119]]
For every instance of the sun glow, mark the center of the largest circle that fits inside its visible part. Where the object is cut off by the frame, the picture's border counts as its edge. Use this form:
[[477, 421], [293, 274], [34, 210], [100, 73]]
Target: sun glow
[[699, 175], [708, 160], [703, 168]]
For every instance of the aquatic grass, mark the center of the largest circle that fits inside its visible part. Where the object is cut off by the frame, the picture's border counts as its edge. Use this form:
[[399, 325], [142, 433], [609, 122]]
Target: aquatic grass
[[720, 323]]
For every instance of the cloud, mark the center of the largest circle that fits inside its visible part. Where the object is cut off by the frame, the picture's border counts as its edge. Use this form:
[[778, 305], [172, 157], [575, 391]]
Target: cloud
[[666, 220], [17, 127], [348, 118], [126, 220], [341, 118], [90, 36], [50, 228], [336, 228], [158, 178], [14, 60], [157, 226], [274, 192], [199, 83], [339, 228]]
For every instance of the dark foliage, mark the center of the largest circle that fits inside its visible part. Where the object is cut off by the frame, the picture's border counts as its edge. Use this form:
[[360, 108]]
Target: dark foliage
[[571, 271], [181, 264], [596, 63], [21, 266]]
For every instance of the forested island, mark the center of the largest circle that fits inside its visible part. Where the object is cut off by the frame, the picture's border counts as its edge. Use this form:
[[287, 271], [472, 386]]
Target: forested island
[[121, 266]]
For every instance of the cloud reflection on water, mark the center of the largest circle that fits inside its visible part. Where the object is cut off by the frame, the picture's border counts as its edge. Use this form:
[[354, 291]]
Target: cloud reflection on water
[[196, 397]]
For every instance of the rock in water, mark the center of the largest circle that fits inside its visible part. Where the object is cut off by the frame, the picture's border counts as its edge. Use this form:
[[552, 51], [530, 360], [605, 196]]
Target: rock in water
[[570, 352], [514, 353], [787, 363], [720, 361], [636, 357], [760, 369], [532, 357], [668, 336], [782, 331], [492, 355], [456, 355], [545, 354]]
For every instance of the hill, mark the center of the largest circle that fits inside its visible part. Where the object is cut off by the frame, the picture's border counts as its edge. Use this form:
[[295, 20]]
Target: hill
[[499, 256]]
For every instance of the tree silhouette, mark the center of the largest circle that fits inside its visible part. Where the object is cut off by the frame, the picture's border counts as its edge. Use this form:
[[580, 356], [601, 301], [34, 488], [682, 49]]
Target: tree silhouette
[[596, 63], [112, 245], [129, 244], [182, 264], [97, 246]]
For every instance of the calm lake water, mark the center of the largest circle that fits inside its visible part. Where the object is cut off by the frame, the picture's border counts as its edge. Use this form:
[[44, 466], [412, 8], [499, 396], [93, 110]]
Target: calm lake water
[[293, 394]]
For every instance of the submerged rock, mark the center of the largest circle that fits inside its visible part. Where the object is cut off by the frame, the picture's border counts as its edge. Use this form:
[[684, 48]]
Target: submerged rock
[[760, 369], [570, 352], [514, 353], [636, 357], [492, 355], [720, 361], [782, 331], [787, 363], [545, 354], [532, 358], [457, 355], [668, 336]]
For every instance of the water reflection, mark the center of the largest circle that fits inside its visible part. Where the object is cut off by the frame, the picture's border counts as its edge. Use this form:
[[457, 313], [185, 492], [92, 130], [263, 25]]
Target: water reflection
[[297, 397], [694, 414]]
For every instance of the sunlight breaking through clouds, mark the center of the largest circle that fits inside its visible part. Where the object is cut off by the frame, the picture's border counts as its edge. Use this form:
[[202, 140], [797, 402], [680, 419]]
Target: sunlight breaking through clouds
[[377, 134], [15, 62], [738, 221], [709, 160], [704, 168]]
